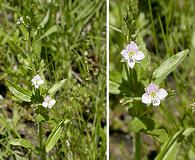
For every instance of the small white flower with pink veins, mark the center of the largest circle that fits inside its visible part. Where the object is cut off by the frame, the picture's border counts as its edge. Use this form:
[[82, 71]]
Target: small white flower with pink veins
[[37, 81], [153, 95], [48, 102], [132, 54]]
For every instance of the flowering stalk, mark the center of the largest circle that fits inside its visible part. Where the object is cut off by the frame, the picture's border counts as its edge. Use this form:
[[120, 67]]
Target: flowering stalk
[[131, 54], [48, 102]]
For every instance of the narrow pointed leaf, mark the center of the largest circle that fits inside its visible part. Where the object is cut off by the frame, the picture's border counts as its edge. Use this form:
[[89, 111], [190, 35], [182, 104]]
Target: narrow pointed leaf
[[170, 148], [56, 87], [50, 31], [168, 66], [19, 92], [55, 135], [21, 142], [45, 19]]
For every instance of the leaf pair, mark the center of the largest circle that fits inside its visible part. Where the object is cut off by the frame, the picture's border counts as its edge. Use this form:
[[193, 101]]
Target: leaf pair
[[25, 95], [149, 127]]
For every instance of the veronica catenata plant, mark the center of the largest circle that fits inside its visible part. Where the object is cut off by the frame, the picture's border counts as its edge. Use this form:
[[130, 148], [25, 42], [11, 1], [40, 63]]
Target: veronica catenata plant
[[37, 94], [41, 107]]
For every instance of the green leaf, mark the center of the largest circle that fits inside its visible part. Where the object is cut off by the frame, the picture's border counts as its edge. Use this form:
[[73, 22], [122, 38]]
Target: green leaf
[[160, 134], [45, 19], [137, 125], [40, 118], [170, 149], [19, 92], [114, 88], [150, 127], [56, 87], [168, 66], [50, 31], [143, 123], [115, 77], [55, 135], [21, 142]]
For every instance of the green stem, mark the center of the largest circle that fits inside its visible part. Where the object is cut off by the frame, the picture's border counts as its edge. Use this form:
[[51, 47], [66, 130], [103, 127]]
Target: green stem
[[137, 145], [42, 148]]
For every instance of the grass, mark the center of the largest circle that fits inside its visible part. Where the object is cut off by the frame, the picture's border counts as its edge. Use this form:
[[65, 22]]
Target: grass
[[166, 27], [65, 41]]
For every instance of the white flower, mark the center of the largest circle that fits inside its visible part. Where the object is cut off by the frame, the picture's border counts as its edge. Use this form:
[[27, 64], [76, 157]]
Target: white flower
[[153, 95], [37, 81], [48, 102], [20, 21], [132, 54]]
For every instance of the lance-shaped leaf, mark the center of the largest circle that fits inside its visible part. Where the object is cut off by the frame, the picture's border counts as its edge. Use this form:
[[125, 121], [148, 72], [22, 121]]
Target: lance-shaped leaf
[[21, 142], [168, 66], [50, 31], [56, 87], [45, 19], [19, 92], [170, 148], [55, 135]]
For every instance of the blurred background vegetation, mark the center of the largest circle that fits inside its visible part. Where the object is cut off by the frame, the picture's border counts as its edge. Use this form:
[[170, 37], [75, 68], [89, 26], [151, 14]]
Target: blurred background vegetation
[[67, 40], [167, 27]]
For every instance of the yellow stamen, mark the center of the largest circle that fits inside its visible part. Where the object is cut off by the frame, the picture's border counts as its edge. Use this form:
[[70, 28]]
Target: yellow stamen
[[131, 53], [152, 94]]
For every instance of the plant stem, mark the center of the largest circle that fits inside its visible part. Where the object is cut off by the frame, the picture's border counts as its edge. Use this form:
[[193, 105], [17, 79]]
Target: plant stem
[[42, 149], [137, 145]]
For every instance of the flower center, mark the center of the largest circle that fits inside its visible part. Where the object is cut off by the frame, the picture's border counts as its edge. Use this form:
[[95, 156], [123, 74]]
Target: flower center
[[130, 53], [153, 94]]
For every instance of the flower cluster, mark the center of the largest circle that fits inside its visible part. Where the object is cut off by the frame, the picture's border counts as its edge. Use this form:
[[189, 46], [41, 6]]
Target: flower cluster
[[131, 54], [48, 101]]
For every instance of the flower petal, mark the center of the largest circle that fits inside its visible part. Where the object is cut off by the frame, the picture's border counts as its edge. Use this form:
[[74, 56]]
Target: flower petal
[[50, 106], [52, 102], [33, 81], [40, 81], [131, 63], [146, 99], [151, 88], [132, 46], [47, 99], [156, 102], [124, 53], [37, 77], [162, 93], [139, 55], [36, 85], [45, 104]]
